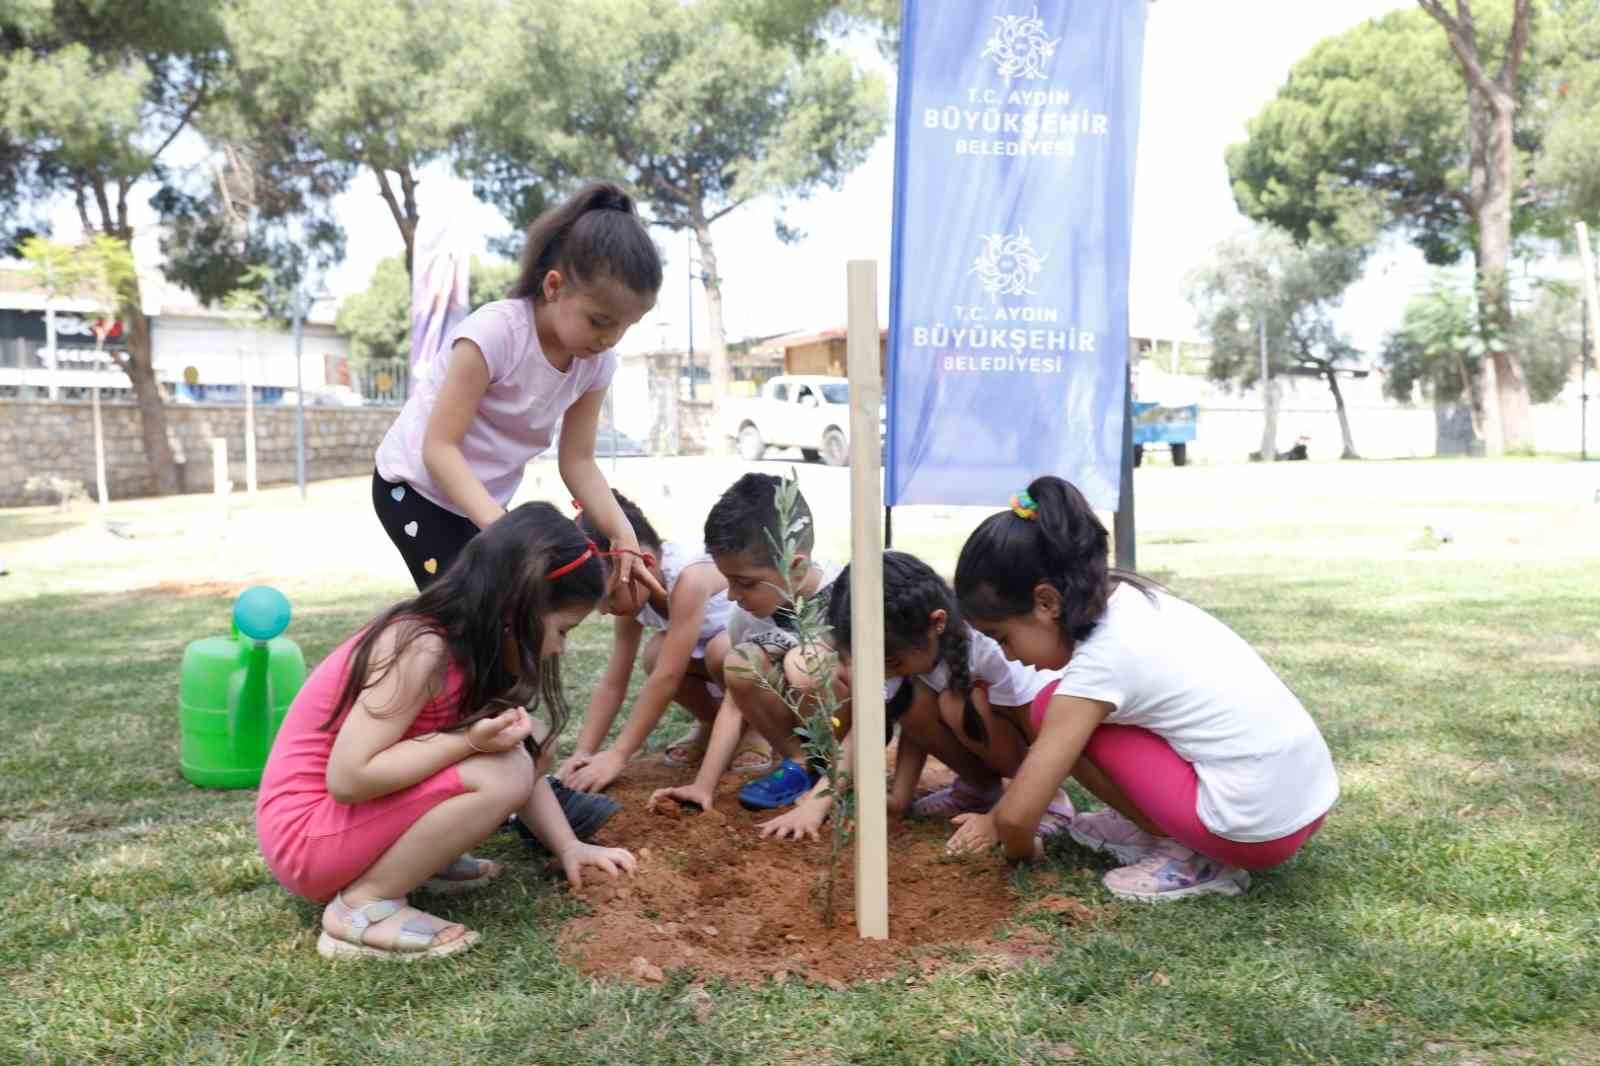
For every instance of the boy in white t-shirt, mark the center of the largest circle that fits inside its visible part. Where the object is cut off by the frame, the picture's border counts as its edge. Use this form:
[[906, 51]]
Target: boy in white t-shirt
[[741, 530], [1208, 764]]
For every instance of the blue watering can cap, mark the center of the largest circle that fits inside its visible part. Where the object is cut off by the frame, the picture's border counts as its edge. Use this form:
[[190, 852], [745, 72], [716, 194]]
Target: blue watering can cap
[[261, 612]]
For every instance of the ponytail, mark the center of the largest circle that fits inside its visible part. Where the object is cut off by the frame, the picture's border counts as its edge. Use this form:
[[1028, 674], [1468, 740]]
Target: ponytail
[[912, 591], [597, 232], [1050, 536]]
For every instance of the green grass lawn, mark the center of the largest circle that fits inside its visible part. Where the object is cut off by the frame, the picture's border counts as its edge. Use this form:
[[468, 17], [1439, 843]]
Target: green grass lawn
[[1449, 912]]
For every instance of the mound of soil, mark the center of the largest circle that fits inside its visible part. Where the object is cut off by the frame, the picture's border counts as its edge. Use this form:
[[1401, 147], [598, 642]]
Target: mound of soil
[[712, 897]]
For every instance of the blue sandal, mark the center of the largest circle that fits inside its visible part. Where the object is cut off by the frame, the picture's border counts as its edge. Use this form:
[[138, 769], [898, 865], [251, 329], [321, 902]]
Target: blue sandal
[[780, 788]]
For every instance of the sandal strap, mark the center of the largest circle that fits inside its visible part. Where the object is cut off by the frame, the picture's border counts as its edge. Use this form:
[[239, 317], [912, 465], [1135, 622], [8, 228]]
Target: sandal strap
[[419, 933], [360, 919]]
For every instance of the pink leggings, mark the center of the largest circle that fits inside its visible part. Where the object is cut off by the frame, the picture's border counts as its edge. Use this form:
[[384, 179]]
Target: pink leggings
[[1164, 786]]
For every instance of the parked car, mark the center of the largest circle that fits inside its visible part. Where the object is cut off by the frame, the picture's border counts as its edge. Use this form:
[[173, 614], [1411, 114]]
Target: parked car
[[806, 411]]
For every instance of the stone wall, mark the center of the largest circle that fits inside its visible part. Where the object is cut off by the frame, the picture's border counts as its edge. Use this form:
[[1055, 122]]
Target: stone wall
[[58, 439]]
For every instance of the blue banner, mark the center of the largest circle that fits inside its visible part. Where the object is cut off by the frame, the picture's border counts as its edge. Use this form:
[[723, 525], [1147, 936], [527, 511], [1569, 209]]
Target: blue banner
[[1015, 132]]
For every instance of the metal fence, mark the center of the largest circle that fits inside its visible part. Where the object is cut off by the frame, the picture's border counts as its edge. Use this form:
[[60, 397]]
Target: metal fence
[[28, 373]]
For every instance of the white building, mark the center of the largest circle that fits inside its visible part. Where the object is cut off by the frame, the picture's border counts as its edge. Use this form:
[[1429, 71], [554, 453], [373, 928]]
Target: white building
[[200, 354]]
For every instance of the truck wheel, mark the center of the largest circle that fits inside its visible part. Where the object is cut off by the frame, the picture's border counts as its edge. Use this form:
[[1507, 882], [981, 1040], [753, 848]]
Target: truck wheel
[[1138, 455], [835, 449], [751, 446], [1180, 454], [810, 455]]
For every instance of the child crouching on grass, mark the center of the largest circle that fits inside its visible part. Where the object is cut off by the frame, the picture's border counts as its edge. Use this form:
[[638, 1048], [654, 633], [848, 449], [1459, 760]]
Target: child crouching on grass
[[1207, 763], [683, 654], [941, 677], [411, 742], [742, 534]]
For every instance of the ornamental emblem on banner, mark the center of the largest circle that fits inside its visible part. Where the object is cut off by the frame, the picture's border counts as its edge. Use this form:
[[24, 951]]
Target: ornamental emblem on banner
[[1020, 47], [1008, 265]]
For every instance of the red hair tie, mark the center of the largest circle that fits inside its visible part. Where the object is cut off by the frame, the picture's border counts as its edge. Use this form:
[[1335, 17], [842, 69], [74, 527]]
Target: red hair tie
[[562, 571], [592, 552]]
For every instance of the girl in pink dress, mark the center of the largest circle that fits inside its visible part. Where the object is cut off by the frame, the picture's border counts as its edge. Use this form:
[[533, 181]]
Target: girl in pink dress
[[413, 741]]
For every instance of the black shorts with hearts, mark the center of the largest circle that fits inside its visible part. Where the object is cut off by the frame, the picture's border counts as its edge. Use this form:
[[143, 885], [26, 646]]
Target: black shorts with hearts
[[428, 536]]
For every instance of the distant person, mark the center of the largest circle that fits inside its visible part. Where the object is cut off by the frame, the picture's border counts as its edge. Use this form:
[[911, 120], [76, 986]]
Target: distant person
[[412, 742], [1207, 763], [454, 457]]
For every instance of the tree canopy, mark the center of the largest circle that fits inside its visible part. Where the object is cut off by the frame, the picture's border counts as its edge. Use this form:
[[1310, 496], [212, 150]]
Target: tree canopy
[[697, 108], [1261, 280], [1376, 115]]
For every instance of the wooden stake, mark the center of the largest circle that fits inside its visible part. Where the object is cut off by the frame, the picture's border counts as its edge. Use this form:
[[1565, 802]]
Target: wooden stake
[[866, 604]]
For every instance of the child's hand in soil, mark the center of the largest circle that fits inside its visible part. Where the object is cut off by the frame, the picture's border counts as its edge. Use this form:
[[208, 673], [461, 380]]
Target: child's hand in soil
[[611, 860], [595, 773], [684, 795], [502, 732], [976, 834], [801, 820], [575, 761]]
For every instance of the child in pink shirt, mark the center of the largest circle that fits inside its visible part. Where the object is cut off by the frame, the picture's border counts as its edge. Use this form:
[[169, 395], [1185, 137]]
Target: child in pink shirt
[[412, 742], [451, 462]]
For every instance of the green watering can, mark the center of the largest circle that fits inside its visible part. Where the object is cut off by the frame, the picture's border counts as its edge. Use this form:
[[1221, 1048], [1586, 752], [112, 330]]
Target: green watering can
[[234, 691]]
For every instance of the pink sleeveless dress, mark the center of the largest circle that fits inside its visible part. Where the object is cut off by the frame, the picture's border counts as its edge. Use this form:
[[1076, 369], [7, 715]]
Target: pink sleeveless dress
[[313, 844]]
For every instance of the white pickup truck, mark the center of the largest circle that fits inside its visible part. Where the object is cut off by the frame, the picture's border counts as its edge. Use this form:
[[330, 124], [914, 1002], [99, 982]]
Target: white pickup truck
[[806, 411]]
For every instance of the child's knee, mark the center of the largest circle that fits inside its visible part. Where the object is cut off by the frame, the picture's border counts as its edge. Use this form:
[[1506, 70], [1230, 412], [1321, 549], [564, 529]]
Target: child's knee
[[745, 666], [810, 668], [507, 776]]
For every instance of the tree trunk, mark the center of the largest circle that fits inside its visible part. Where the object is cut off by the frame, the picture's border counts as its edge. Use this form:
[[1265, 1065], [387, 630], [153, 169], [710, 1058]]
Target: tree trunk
[[1349, 443], [1507, 415], [141, 372], [1510, 395], [713, 282], [1269, 402], [1486, 404]]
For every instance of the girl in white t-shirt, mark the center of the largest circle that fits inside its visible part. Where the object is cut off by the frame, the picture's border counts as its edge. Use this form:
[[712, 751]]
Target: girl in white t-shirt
[[1207, 762], [938, 672], [454, 457], [684, 655]]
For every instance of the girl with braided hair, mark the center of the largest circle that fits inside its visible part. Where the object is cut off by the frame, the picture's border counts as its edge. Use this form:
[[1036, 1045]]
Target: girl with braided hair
[[1207, 763], [942, 677]]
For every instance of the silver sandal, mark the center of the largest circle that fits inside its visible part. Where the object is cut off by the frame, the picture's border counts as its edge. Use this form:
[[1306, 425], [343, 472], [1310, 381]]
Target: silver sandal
[[417, 939]]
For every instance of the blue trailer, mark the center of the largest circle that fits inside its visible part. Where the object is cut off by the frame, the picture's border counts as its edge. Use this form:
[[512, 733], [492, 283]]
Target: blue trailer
[[1174, 427]]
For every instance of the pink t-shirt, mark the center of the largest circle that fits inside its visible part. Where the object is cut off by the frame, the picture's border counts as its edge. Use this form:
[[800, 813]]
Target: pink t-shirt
[[517, 416]]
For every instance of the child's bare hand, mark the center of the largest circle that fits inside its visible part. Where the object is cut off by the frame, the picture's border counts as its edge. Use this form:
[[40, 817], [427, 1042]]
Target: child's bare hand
[[976, 834], [684, 795], [502, 732], [801, 820], [610, 861], [596, 772], [576, 761]]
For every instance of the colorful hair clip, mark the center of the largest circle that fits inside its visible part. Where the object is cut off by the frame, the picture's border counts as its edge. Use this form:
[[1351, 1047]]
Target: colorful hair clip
[[1022, 505]]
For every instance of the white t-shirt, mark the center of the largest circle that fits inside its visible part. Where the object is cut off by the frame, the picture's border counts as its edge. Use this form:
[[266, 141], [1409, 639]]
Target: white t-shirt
[[772, 632], [1171, 668], [516, 418], [675, 558], [1010, 683]]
